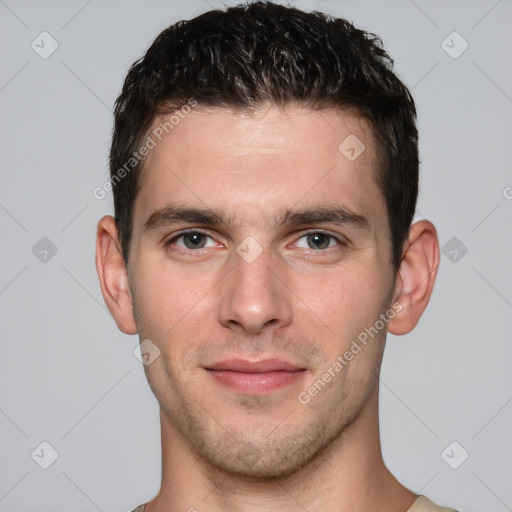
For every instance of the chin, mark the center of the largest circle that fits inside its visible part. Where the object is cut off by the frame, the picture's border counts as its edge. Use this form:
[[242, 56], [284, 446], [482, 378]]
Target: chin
[[260, 471]]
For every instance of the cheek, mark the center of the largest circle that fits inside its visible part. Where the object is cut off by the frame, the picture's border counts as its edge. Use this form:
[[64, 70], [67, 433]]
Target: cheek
[[165, 296], [168, 308], [343, 303]]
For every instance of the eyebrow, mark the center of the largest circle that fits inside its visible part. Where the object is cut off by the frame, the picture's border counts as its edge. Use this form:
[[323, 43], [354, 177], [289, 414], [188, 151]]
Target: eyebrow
[[335, 214]]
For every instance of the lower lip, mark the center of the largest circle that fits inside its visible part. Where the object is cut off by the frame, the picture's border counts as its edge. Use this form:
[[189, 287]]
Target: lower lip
[[256, 383]]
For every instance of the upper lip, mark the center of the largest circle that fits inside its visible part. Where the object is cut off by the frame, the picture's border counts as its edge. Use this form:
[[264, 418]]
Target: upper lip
[[262, 366]]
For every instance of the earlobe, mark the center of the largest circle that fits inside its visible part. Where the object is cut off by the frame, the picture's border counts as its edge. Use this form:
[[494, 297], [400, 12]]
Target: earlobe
[[113, 276], [416, 276]]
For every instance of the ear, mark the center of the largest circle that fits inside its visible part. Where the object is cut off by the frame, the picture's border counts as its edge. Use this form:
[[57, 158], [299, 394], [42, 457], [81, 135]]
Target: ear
[[416, 276], [113, 275]]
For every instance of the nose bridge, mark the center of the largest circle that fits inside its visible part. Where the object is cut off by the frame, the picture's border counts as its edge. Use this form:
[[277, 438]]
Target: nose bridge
[[253, 293]]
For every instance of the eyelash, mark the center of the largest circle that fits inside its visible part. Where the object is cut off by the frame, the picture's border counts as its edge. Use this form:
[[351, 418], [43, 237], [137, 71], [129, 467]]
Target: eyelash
[[169, 242]]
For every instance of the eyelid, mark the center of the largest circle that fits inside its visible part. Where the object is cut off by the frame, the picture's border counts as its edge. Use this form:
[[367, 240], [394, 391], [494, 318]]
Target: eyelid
[[172, 238], [342, 241]]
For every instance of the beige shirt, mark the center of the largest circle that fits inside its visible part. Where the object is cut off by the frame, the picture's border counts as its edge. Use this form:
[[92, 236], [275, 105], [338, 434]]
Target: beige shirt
[[422, 504]]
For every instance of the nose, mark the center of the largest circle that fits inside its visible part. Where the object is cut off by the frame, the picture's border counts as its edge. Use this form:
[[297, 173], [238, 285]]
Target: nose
[[254, 295]]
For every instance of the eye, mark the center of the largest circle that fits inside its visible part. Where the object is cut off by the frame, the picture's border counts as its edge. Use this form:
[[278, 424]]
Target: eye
[[318, 240], [193, 240], [190, 240]]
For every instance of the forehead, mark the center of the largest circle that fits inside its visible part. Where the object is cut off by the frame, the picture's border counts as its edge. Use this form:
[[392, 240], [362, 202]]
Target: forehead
[[258, 164]]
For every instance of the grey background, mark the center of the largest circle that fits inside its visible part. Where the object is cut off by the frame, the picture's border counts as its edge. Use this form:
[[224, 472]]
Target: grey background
[[70, 378]]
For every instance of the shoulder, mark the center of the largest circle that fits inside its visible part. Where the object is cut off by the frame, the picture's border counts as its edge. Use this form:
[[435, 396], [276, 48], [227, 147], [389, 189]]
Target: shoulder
[[423, 504]]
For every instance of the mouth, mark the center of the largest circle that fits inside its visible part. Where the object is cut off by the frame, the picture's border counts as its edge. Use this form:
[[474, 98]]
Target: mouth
[[255, 377]]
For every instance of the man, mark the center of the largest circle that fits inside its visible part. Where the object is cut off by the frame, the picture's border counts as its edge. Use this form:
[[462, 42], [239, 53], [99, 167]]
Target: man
[[264, 167]]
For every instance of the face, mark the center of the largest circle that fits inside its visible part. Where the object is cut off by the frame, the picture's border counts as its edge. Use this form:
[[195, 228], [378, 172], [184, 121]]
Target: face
[[260, 252]]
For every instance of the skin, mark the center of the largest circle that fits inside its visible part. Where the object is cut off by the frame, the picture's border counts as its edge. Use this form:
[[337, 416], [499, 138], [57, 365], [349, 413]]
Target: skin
[[303, 299]]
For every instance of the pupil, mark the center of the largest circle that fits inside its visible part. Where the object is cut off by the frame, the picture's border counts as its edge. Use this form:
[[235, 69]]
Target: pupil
[[194, 240], [320, 239]]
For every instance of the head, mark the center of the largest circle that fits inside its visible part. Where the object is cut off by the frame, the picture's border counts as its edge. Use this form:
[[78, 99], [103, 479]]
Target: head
[[295, 248], [259, 54]]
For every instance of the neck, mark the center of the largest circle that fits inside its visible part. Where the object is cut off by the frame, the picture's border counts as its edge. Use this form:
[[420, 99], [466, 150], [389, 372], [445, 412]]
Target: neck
[[348, 475]]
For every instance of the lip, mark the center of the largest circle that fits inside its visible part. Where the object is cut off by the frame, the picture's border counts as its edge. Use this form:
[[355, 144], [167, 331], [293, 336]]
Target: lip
[[262, 366], [255, 377]]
